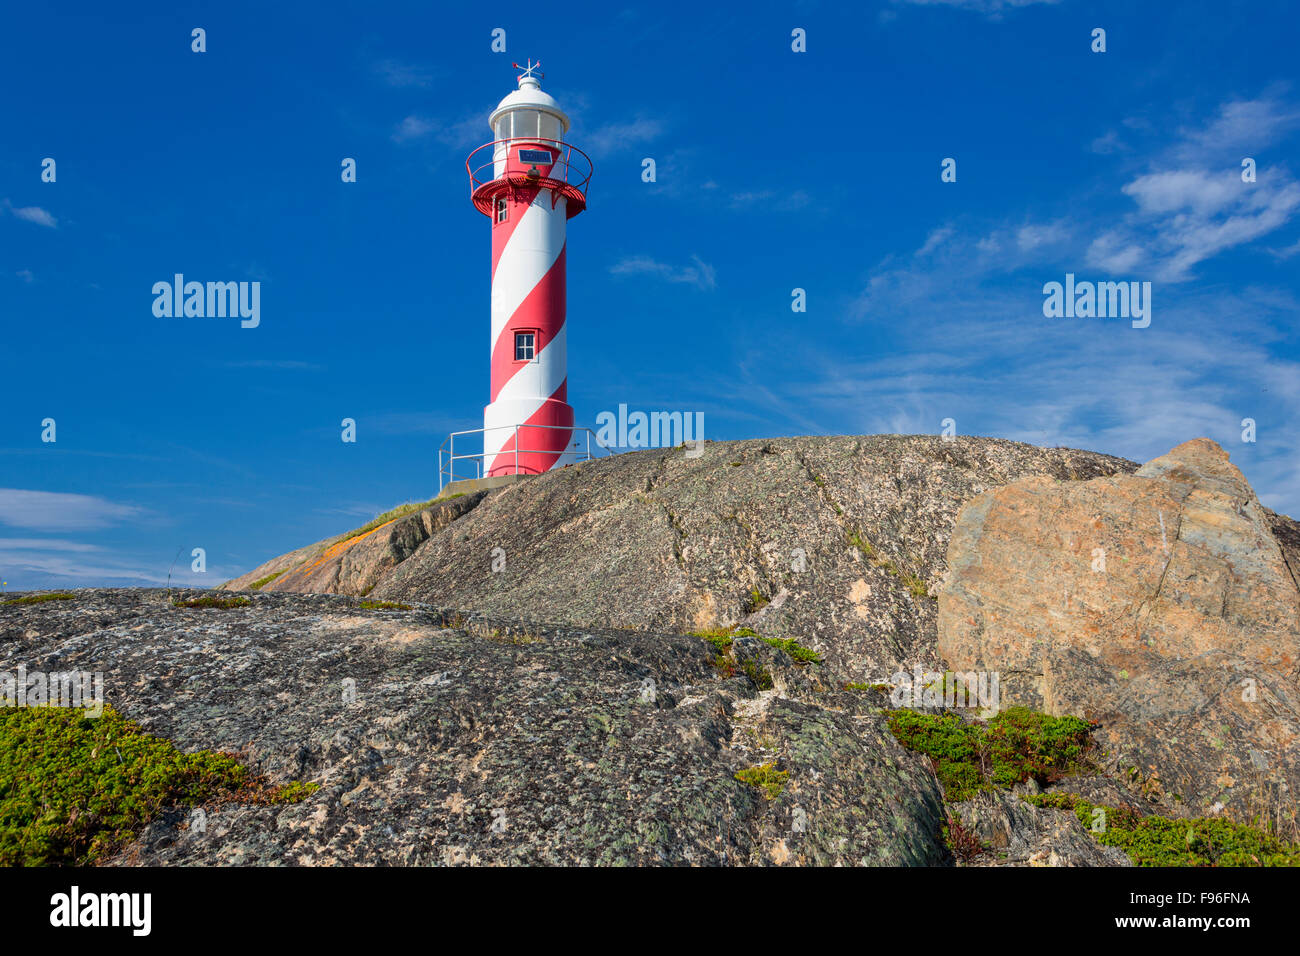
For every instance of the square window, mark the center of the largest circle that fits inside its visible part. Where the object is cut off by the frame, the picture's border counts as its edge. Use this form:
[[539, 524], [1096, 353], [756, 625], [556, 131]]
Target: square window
[[525, 346]]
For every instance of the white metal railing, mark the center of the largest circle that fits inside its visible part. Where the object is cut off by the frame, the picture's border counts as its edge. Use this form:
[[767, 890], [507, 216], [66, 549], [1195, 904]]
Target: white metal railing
[[447, 456]]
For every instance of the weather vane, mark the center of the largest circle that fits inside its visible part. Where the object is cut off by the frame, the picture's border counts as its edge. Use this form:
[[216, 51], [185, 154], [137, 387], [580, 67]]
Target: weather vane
[[529, 69]]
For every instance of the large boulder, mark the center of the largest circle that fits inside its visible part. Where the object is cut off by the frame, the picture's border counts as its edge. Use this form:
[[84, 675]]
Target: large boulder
[[1160, 604]]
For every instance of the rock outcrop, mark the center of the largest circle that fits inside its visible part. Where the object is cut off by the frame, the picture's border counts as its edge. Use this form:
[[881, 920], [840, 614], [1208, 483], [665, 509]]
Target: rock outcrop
[[520, 686], [439, 738], [836, 542], [1161, 604]]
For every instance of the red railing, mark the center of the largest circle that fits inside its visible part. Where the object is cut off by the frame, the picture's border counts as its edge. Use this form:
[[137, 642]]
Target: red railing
[[569, 173]]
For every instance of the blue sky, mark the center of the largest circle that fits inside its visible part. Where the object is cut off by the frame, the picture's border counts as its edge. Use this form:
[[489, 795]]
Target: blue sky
[[776, 170]]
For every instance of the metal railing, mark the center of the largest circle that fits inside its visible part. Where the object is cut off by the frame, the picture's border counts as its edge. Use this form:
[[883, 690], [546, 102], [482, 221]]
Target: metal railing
[[569, 172], [447, 456]]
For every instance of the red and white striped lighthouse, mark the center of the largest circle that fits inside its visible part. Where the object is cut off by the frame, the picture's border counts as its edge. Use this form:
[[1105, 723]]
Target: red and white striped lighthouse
[[529, 182]]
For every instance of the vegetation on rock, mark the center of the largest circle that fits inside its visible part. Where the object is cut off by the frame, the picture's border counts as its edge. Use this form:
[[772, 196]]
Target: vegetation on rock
[[1161, 841], [766, 778], [210, 601], [41, 598], [260, 582], [74, 789], [1017, 745]]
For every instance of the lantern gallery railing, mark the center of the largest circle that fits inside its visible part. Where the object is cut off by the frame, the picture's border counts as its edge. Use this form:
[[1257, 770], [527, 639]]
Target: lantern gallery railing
[[495, 171], [578, 451]]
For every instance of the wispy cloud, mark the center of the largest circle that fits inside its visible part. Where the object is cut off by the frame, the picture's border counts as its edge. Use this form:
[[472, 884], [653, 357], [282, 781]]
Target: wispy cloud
[[53, 562], [990, 8], [400, 74], [471, 130], [617, 137], [34, 214], [57, 511], [699, 274]]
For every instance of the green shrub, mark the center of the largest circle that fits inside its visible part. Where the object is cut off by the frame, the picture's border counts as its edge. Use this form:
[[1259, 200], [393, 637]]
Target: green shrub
[[1161, 841], [73, 788], [1016, 745]]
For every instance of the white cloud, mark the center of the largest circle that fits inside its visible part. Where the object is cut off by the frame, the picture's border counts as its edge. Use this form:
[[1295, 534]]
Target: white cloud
[[469, 131], [399, 74], [1241, 128], [30, 563], [935, 239], [56, 511], [699, 274], [33, 214], [413, 127], [615, 137]]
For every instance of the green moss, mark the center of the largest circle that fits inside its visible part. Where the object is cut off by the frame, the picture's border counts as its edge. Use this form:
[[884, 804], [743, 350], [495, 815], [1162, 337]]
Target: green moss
[[719, 637], [1161, 841], [766, 778], [1016, 745], [260, 582], [724, 662], [213, 602], [73, 788], [41, 598], [757, 600], [383, 606], [295, 791], [792, 647]]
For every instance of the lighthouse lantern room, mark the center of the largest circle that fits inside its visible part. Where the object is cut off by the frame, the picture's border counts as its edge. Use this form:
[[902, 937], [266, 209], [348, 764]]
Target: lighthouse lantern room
[[529, 182]]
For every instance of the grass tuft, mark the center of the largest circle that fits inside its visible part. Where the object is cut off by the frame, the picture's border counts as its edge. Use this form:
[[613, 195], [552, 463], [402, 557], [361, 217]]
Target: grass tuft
[[41, 598], [766, 778], [213, 602], [262, 582]]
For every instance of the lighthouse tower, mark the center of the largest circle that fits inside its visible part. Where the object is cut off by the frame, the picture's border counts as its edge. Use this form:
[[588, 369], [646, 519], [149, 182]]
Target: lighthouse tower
[[529, 183]]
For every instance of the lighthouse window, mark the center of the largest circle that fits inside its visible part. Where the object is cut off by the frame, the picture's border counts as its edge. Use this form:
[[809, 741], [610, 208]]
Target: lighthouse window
[[525, 124], [525, 346], [503, 211]]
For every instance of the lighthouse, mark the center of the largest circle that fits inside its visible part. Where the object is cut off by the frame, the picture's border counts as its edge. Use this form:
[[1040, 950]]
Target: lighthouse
[[529, 183]]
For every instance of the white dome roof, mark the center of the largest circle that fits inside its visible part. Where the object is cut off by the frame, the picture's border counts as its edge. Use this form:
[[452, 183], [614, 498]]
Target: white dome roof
[[529, 96]]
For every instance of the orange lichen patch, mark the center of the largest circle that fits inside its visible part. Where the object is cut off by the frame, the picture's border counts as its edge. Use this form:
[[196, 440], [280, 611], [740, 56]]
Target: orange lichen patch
[[334, 550]]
